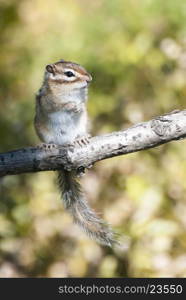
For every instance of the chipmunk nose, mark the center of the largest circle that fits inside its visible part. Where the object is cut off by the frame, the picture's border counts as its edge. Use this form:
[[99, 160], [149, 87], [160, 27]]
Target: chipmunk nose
[[88, 78]]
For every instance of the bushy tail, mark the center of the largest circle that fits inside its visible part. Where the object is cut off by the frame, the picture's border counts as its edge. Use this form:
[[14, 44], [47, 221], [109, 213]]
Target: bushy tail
[[82, 214]]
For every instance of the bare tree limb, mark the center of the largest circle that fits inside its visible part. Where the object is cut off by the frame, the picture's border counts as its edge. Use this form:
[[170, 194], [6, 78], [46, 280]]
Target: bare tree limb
[[153, 133]]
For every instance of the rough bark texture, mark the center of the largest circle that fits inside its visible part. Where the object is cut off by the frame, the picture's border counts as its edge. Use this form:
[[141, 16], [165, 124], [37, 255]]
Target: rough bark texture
[[153, 133]]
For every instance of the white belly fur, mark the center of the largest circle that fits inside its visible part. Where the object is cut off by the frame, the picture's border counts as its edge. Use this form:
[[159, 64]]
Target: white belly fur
[[65, 127]]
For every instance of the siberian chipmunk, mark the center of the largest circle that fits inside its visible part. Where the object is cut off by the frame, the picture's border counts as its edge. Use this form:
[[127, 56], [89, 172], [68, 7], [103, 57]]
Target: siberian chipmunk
[[61, 118]]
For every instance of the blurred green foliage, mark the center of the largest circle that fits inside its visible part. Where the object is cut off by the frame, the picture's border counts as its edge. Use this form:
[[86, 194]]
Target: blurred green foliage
[[136, 52]]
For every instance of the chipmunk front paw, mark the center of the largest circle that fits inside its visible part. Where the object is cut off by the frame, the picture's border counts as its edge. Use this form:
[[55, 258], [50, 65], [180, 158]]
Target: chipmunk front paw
[[82, 141], [47, 146]]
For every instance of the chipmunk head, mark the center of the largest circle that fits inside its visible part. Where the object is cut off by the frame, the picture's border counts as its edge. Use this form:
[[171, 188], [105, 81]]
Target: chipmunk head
[[67, 74]]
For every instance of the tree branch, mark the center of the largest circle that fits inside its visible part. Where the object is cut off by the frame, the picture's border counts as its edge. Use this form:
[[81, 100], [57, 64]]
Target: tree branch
[[153, 133]]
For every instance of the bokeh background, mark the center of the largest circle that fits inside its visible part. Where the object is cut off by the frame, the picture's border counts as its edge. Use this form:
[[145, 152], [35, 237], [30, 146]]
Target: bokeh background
[[136, 53]]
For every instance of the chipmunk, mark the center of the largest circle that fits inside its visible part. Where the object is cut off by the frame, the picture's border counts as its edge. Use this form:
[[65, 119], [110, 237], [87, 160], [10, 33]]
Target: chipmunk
[[61, 118]]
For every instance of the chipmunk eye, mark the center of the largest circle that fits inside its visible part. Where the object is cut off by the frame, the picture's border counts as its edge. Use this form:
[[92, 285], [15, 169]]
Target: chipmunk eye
[[69, 74]]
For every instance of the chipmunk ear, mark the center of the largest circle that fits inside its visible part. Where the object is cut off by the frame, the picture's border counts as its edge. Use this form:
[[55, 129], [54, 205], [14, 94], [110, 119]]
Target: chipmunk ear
[[50, 68]]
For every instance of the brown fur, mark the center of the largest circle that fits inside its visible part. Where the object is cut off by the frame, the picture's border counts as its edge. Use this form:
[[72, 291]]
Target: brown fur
[[68, 99]]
